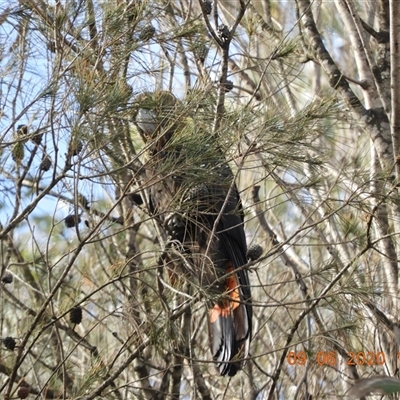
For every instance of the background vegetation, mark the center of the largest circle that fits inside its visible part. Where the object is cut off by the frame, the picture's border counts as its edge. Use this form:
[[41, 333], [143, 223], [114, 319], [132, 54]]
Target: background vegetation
[[304, 97]]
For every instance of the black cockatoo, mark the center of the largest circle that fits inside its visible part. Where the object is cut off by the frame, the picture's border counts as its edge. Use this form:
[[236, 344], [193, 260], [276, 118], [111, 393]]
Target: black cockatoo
[[193, 193]]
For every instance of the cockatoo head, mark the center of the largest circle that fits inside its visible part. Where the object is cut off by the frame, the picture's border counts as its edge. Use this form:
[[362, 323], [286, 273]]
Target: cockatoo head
[[155, 113]]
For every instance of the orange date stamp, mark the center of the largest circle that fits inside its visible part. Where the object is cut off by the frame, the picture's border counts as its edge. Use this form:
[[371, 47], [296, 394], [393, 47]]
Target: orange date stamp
[[330, 358]]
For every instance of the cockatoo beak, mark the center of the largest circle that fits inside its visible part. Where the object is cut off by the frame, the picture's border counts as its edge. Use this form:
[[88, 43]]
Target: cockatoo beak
[[146, 121]]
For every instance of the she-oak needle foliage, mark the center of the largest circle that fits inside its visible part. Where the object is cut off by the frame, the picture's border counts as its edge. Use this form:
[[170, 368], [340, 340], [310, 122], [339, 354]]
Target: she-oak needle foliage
[[300, 99]]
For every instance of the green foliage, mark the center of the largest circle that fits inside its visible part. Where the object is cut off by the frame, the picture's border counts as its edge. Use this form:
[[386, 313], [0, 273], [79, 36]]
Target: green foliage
[[375, 385], [305, 130]]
